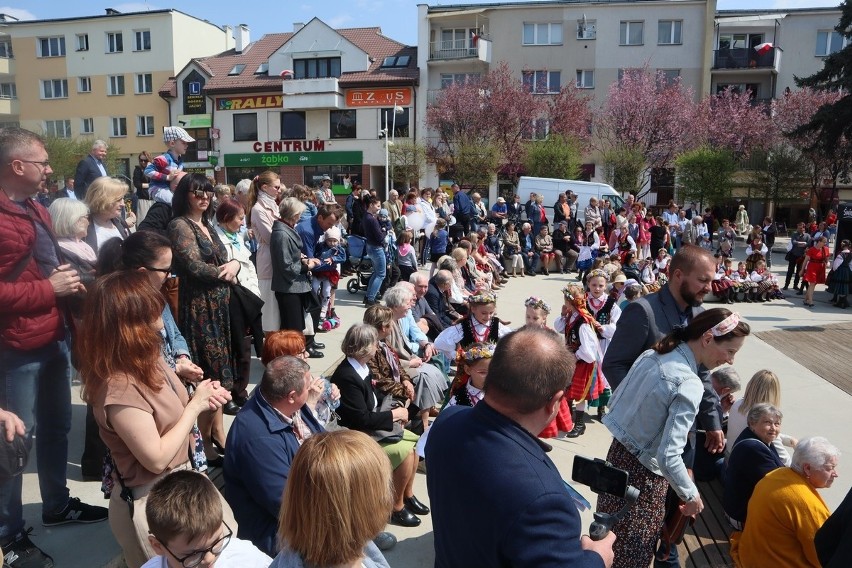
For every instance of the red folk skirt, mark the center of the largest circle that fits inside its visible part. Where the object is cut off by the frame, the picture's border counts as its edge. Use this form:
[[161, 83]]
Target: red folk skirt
[[562, 423], [588, 382]]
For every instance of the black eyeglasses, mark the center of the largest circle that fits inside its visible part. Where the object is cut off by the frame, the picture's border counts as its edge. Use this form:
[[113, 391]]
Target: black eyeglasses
[[201, 194], [163, 270], [196, 557]]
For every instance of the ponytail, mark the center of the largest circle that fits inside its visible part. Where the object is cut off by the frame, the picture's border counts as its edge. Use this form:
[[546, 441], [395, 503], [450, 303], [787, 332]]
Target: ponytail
[[722, 323]]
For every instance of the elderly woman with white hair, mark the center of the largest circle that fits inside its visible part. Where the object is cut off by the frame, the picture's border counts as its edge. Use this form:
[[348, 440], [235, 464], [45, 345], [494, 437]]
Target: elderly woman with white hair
[[70, 225], [786, 510]]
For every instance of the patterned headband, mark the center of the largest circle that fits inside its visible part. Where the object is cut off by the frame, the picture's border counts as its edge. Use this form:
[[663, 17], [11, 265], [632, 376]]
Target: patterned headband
[[598, 272], [726, 326], [477, 352], [566, 292], [537, 304], [482, 298]]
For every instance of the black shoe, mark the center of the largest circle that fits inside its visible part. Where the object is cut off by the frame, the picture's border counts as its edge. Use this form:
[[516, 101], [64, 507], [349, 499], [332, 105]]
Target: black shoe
[[230, 408], [370, 302], [601, 412], [20, 552], [579, 425], [314, 353], [318, 345], [218, 461], [786, 287], [799, 292], [75, 512], [415, 506], [220, 448], [404, 518]]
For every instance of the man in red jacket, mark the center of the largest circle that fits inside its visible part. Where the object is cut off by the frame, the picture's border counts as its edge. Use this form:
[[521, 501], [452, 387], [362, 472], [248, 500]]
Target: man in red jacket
[[35, 370]]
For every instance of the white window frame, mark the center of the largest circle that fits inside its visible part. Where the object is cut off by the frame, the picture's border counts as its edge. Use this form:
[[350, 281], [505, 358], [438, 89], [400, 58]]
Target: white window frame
[[547, 82], [6, 51], [542, 33], [53, 50], [448, 79], [585, 79], [49, 88], [117, 127], [463, 42], [824, 50], [115, 85], [139, 40], [145, 125], [590, 31], [113, 39], [87, 126], [50, 128], [675, 32], [82, 42], [539, 129], [8, 90], [141, 88], [624, 32], [84, 84]]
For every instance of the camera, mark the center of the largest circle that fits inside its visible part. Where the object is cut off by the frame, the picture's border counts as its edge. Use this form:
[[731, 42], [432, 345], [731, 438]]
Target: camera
[[602, 477]]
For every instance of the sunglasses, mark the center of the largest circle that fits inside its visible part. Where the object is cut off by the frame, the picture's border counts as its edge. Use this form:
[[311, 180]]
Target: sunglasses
[[163, 270], [201, 194]]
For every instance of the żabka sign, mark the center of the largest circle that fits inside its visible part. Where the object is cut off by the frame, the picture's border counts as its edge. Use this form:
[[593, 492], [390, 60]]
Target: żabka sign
[[289, 146]]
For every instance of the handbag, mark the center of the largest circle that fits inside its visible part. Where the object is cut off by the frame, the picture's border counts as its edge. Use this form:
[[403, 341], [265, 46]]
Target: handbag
[[393, 435], [251, 304]]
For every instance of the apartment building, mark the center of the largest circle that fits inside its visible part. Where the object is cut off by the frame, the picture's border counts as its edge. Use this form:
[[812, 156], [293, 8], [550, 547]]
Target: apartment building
[[313, 102], [98, 76]]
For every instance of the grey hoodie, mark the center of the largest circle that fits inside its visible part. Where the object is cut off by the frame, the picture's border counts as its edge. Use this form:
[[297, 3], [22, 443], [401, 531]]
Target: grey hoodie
[[289, 559]]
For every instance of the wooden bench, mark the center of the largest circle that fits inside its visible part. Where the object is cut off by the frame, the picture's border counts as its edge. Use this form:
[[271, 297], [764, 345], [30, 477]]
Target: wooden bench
[[706, 544]]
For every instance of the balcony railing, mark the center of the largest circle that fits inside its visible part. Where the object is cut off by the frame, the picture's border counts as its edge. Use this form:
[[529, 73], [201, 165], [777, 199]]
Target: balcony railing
[[745, 58], [452, 50]]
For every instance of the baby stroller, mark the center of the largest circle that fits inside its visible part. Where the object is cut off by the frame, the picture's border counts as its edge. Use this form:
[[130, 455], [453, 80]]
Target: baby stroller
[[361, 264]]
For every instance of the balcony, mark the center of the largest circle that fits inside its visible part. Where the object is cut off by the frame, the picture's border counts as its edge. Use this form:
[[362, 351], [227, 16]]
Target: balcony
[[747, 59], [310, 94], [9, 107], [479, 48], [7, 66]]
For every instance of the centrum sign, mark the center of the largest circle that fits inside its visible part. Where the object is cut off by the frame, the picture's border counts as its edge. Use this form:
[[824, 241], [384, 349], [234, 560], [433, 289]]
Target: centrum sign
[[355, 157]]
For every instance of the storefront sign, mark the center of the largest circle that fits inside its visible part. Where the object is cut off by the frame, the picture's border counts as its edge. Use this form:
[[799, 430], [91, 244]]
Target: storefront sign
[[246, 103], [378, 97], [289, 146], [195, 120], [194, 101], [355, 157]]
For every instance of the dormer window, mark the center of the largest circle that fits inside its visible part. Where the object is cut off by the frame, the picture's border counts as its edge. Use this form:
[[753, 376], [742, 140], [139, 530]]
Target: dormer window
[[396, 61], [262, 69], [237, 69]]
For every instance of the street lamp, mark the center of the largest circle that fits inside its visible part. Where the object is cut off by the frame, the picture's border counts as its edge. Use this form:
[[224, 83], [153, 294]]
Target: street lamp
[[384, 132]]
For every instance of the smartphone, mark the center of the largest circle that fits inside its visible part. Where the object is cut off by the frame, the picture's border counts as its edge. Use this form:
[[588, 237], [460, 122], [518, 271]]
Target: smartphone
[[600, 476]]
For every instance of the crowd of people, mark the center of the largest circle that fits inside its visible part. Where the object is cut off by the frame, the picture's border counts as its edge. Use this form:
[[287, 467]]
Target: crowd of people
[[159, 318]]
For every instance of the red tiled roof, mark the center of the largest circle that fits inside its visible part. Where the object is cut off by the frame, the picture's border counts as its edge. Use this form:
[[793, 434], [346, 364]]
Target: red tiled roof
[[370, 40]]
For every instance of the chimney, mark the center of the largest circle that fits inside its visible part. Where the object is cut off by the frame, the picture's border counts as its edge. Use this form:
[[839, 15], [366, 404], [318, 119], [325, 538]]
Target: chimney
[[242, 38], [298, 26]]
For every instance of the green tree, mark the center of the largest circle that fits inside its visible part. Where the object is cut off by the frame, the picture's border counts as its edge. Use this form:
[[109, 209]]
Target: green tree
[[555, 157], [476, 164], [780, 174], [705, 175], [624, 168], [408, 159], [65, 153]]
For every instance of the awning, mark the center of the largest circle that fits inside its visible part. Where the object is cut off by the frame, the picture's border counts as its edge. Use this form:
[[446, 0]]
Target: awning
[[449, 13], [757, 20]]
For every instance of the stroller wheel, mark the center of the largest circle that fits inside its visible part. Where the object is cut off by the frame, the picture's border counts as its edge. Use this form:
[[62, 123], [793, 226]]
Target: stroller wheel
[[352, 285]]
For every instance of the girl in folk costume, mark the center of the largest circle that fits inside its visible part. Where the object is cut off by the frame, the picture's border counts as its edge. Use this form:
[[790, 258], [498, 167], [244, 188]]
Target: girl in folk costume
[[723, 283], [589, 245], [649, 277], [562, 423], [755, 251], [582, 334], [471, 368], [661, 265], [767, 286], [842, 274], [604, 308], [743, 283], [480, 325]]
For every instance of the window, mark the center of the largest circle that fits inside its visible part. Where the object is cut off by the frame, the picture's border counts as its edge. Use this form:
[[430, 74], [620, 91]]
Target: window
[[262, 69], [237, 69], [144, 83], [587, 29], [542, 82], [585, 79], [115, 42], [400, 127], [670, 75], [538, 130], [51, 46], [58, 128], [448, 79], [316, 68], [144, 125], [54, 89], [543, 34], [245, 126], [87, 126], [84, 84], [118, 126], [142, 40], [82, 42], [341, 124], [8, 91], [396, 61], [828, 42], [293, 125], [115, 85], [458, 38], [6, 49], [669, 32], [632, 33]]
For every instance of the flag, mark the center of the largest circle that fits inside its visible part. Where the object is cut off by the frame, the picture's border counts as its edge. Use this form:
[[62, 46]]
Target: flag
[[763, 48]]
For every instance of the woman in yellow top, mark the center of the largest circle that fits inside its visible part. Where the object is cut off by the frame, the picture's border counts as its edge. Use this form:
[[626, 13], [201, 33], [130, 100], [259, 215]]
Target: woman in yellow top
[[786, 510]]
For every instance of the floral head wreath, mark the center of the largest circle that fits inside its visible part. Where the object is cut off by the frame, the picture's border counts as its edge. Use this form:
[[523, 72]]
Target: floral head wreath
[[598, 272], [726, 326], [477, 352], [537, 304], [566, 292], [482, 298]]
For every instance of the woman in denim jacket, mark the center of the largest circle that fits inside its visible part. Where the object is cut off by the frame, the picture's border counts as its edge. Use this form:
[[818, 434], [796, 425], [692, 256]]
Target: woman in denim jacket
[[650, 416]]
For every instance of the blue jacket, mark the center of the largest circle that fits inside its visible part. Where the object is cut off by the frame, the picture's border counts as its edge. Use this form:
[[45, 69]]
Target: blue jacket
[[462, 205], [310, 232], [749, 461], [261, 447], [497, 499], [87, 171], [652, 412]]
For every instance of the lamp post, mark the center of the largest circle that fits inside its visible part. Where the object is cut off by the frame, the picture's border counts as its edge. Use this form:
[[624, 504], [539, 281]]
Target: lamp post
[[396, 110]]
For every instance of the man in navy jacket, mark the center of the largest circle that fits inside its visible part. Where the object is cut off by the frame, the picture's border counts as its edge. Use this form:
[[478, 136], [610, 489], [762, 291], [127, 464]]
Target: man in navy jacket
[[497, 499]]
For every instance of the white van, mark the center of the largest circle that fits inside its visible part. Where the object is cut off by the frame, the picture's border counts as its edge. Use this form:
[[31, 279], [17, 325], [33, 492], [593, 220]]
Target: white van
[[550, 188]]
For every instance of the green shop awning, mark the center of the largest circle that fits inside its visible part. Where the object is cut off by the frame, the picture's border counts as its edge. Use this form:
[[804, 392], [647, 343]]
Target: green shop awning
[[355, 157]]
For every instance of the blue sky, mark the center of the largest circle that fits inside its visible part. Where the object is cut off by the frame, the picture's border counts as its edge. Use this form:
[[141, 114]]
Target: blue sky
[[395, 17]]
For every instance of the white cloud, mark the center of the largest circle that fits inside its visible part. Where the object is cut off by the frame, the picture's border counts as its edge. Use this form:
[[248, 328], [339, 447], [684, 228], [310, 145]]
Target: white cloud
[[339, 21], [135, 7], [19, 13]]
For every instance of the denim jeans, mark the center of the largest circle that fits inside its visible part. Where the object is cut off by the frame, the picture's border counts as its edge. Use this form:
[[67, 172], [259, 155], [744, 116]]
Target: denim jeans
[[36, 385], [530, 262], [377, 255]]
